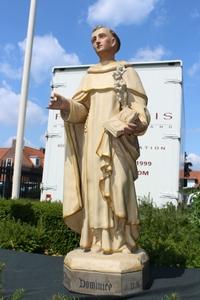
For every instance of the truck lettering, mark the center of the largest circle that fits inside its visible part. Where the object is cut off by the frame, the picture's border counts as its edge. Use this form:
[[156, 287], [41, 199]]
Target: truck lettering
[[164, 116], [147, 147], [143, 163], [57, 116], [145, 173], [167, 116]]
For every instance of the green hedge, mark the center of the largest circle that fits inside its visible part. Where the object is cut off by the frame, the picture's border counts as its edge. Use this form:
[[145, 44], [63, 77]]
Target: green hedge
[[35, 227], [170, 235]]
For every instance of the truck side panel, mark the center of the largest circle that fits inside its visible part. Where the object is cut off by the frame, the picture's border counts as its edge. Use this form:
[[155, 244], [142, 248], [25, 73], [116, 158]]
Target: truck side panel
[[158, 164]]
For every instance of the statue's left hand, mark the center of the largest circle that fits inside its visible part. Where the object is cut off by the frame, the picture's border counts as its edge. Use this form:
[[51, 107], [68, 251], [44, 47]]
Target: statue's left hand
[[134, 128]]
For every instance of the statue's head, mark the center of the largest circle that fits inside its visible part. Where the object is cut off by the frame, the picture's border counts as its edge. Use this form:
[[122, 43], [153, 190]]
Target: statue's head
[[105, 39]]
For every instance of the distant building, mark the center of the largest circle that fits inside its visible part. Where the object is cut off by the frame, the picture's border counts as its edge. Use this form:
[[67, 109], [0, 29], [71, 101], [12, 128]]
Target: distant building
[[31, 175], [193, 180], [31, 157]]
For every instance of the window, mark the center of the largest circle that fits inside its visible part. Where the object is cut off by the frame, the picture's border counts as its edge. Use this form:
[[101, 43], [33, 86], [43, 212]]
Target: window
[[9, 162], [35, 160]]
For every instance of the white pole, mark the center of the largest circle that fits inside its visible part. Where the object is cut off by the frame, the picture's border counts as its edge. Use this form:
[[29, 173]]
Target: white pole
[[23, 103]]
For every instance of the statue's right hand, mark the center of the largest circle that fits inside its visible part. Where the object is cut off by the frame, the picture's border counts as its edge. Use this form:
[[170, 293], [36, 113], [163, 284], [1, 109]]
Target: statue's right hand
[[59, 102]]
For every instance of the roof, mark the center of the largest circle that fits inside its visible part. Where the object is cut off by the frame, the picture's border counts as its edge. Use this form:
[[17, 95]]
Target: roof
[[33, 152], [28, 153], [3, 151], [193, 175]]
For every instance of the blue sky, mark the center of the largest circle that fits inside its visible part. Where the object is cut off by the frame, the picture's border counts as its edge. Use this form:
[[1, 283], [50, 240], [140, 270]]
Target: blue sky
[[149, 30]]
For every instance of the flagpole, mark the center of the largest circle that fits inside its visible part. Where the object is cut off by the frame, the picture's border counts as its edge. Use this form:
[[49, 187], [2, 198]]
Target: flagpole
[[23, 103]]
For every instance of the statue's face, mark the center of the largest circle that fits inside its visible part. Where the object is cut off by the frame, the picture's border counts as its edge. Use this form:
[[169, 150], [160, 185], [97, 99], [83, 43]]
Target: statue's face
[[103, 41]]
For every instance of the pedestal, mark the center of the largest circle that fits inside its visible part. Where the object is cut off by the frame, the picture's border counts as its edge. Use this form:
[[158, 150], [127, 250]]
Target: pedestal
[[100, 274]]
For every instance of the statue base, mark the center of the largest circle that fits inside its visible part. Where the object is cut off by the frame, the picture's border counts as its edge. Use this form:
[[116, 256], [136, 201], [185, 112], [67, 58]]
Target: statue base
[[99, 274]]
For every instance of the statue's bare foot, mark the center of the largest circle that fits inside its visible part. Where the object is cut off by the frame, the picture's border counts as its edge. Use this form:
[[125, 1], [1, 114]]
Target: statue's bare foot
[[125, 250], [96, 249]]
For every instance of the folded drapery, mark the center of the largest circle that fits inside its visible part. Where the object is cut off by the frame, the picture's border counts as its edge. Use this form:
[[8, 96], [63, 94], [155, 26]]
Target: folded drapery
[[117, 123]]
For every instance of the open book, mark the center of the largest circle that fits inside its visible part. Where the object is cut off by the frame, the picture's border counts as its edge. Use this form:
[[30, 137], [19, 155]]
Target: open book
[[117, 123]]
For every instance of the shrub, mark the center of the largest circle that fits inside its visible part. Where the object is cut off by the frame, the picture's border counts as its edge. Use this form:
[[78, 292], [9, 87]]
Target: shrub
[[14, 235], [23, 212], [170, 235], [195, 210], [35, 227]]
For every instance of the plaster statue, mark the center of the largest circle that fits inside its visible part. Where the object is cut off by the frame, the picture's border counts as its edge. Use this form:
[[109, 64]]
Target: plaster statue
[[102, 122]]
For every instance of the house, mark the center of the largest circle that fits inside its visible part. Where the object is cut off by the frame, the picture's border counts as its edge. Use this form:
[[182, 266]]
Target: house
[[193, 180], [31, 173], [32, 158]]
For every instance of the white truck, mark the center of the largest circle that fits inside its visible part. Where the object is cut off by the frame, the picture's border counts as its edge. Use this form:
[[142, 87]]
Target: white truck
[[161, 147]]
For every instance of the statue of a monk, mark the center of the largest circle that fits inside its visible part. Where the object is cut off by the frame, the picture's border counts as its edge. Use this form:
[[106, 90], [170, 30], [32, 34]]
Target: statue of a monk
[[100, 166]]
